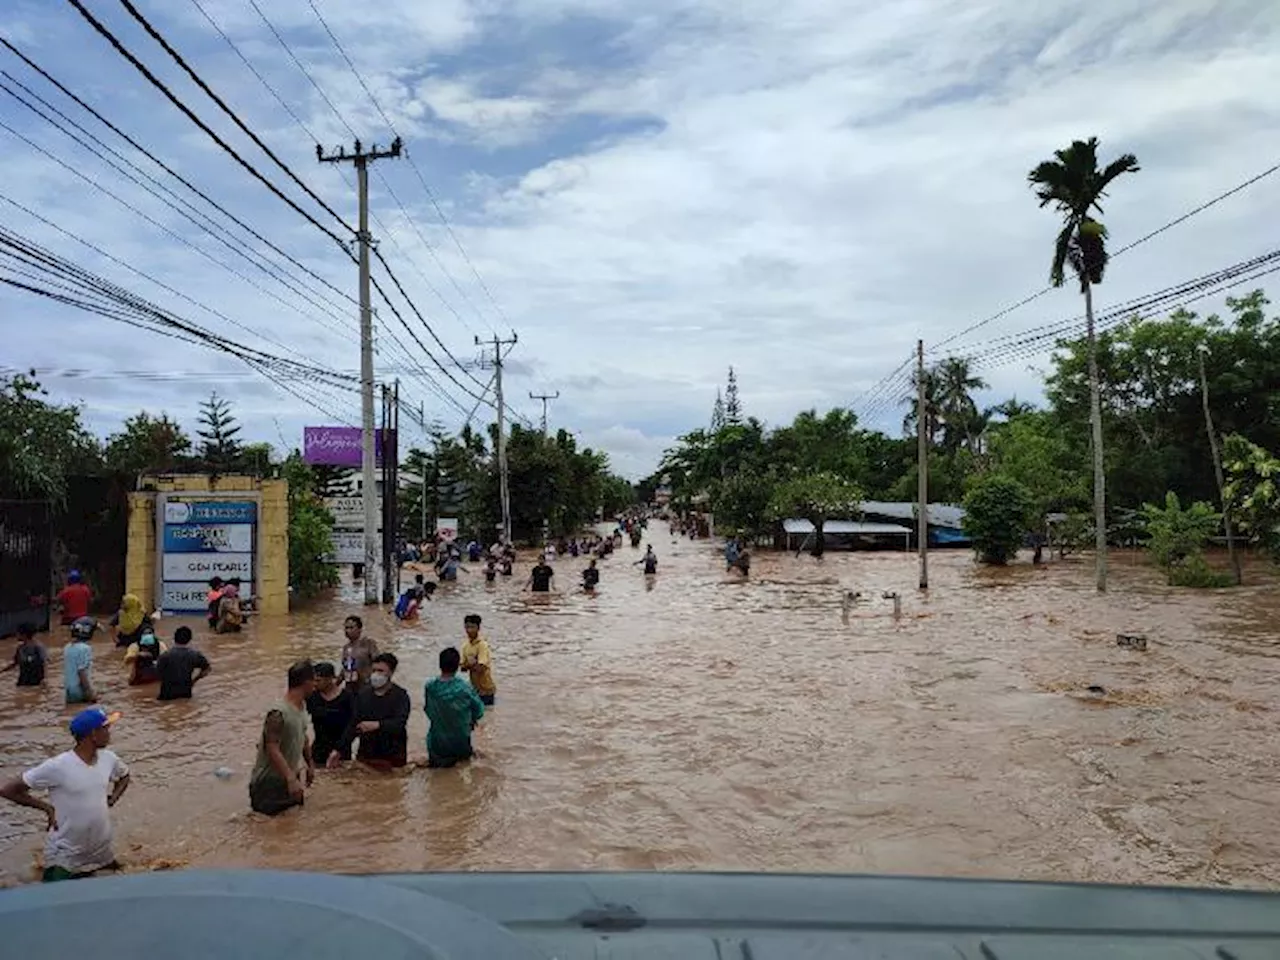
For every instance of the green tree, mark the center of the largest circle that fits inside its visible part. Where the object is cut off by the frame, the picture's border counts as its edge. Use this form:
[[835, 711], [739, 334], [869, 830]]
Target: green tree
[[310, 531], [147, 444], [816, 497], [997, 510], [1253, 490], [1032, 449], [1074, 185], [741, 503], [41, 443], [1176, 537], [732, 403], [218, 432], [717, 412]]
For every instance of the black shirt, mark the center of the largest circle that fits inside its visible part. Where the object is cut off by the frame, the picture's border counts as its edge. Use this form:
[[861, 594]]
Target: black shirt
[[542, 575], [390, 742], [590, 577], [330, 719], [176, 667], [30, 658], [650, 564]]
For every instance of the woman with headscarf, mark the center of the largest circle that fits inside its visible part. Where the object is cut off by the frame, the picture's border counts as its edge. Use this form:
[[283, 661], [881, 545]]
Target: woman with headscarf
[[127, 624], [230, 613]]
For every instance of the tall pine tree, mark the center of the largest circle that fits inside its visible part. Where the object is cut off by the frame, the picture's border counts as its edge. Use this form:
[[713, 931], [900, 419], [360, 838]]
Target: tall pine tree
[[717, 412], [732, 405], [219, 447]]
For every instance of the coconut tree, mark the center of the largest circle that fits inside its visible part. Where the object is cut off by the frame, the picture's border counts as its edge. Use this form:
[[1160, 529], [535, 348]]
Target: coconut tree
[[1073, 183], [956, 381]]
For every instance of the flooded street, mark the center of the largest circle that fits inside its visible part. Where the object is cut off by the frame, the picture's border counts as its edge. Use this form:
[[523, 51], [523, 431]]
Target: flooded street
[[708, 724]]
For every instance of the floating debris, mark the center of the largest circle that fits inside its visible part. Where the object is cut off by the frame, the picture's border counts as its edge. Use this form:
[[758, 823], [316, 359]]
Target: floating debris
[[1131, 641]]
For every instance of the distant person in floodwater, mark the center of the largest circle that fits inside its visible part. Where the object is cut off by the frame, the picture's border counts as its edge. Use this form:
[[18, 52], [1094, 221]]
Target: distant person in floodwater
[[284, 748], [129, 621], [743, 563], [331, 705], [650, 561], [379, 721], [591, 577], [142, 658], [181, 668], [74, 599], [211, 600], [541, 577], [230, 613], [477, 660], [453, 709], [357, 653], [29, 658]]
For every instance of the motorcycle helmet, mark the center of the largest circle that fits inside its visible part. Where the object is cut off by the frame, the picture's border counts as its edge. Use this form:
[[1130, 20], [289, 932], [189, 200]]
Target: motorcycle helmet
[[82, 629]]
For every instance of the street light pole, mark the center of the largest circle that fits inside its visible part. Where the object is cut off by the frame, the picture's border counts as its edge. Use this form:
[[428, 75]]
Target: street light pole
[[1201, 351]]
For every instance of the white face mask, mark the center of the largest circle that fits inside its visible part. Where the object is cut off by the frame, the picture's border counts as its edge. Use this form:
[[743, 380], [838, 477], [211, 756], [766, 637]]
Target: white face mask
[[379, 680]]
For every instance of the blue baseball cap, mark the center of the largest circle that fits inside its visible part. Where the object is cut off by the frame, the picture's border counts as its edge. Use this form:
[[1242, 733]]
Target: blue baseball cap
[[87, 721]]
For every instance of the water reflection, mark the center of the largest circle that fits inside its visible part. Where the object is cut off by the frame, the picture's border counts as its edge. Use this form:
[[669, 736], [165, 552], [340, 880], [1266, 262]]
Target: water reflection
[[696, 721]]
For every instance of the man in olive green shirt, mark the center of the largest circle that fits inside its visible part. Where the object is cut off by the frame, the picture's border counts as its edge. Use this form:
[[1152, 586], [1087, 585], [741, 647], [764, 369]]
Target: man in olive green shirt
[[284, 749]]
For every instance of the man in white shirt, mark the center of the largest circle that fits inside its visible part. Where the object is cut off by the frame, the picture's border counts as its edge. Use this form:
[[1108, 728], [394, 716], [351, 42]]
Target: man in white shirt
[[82, 783]]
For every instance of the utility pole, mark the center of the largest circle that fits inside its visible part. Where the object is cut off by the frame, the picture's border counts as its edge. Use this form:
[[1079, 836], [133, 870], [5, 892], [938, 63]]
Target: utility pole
[[544, 397], [1201, 350], [369, 492], [422, 533], [390, 491], [922, 469], [504, 491]]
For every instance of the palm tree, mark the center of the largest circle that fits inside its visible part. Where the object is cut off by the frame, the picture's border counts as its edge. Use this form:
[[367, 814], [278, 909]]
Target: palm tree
[[1073, 183], [932, 405], [955, 383]]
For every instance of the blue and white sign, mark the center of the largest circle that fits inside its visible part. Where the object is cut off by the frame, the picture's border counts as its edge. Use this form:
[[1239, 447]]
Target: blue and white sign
[[202, 539], [208, 538]]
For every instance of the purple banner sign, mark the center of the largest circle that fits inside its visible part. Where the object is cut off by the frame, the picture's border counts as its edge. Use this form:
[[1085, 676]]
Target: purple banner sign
[[336, 446]]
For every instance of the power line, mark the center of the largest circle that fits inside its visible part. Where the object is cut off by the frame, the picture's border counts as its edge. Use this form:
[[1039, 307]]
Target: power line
[[133, 60], [234, 117], [169, 169], [1232, 191], [386, 184], [136, 311], [171, 200], [412, 165], [156, 82]]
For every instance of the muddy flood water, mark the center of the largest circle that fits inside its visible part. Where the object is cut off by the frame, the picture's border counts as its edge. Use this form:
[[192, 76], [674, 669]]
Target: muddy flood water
[[710, 724]]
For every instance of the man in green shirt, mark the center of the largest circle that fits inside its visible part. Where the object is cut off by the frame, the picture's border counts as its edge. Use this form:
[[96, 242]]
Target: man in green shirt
[[453, 710], [284, 749]]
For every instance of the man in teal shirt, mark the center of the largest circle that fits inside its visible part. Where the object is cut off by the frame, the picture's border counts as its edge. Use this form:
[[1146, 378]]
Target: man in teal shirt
[[453, 710], [77, 663]]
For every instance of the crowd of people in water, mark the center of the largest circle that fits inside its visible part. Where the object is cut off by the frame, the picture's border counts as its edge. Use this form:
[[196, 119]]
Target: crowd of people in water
[[331, 712]]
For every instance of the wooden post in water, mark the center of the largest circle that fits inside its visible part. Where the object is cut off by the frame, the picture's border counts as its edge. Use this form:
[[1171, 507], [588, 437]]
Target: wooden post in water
[[922, 449]]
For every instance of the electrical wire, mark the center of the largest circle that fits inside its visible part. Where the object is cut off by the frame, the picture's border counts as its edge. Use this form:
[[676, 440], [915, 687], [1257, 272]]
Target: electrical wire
[[231, 114], [169, 169], [191, 115], [412, 165], [386, 185], [182, 207], [1213, 201]]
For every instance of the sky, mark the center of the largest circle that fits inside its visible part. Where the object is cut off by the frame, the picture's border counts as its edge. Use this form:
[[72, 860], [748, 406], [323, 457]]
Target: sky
[[646, 194]]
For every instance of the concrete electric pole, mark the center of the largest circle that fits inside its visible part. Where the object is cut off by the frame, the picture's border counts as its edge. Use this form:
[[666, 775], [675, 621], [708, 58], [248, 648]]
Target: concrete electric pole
[[544, 397], [504, 491], [368, 487]]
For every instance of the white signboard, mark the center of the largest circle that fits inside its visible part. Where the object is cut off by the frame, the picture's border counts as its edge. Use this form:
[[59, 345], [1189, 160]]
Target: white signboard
[[201, 566], [348, 512], [184, 596], [447, 527], [348, 546], [209, 538]]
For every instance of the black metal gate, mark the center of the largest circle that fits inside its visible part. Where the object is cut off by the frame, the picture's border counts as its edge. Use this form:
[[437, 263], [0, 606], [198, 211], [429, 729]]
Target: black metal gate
[[26, 563]]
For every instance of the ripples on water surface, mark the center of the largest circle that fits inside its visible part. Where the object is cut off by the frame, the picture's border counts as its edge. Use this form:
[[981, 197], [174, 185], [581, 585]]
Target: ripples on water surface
[[710, 724]]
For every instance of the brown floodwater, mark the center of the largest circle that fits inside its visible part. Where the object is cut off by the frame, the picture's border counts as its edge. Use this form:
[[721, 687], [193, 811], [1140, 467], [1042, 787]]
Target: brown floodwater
[[701, 723]]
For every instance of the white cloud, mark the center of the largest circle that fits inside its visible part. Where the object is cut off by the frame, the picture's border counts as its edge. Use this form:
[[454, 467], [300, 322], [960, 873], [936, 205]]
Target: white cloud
[[798, 189]]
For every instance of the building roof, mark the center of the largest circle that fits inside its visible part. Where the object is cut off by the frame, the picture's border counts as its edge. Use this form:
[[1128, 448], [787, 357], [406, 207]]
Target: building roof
[[845, 526], [940, 514]]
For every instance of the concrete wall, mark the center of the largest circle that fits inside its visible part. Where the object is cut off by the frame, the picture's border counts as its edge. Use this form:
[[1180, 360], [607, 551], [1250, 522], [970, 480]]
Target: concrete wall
[[273, 534]]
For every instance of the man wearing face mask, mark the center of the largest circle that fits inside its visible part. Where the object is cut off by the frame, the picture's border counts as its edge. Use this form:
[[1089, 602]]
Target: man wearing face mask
[[380, 720]]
